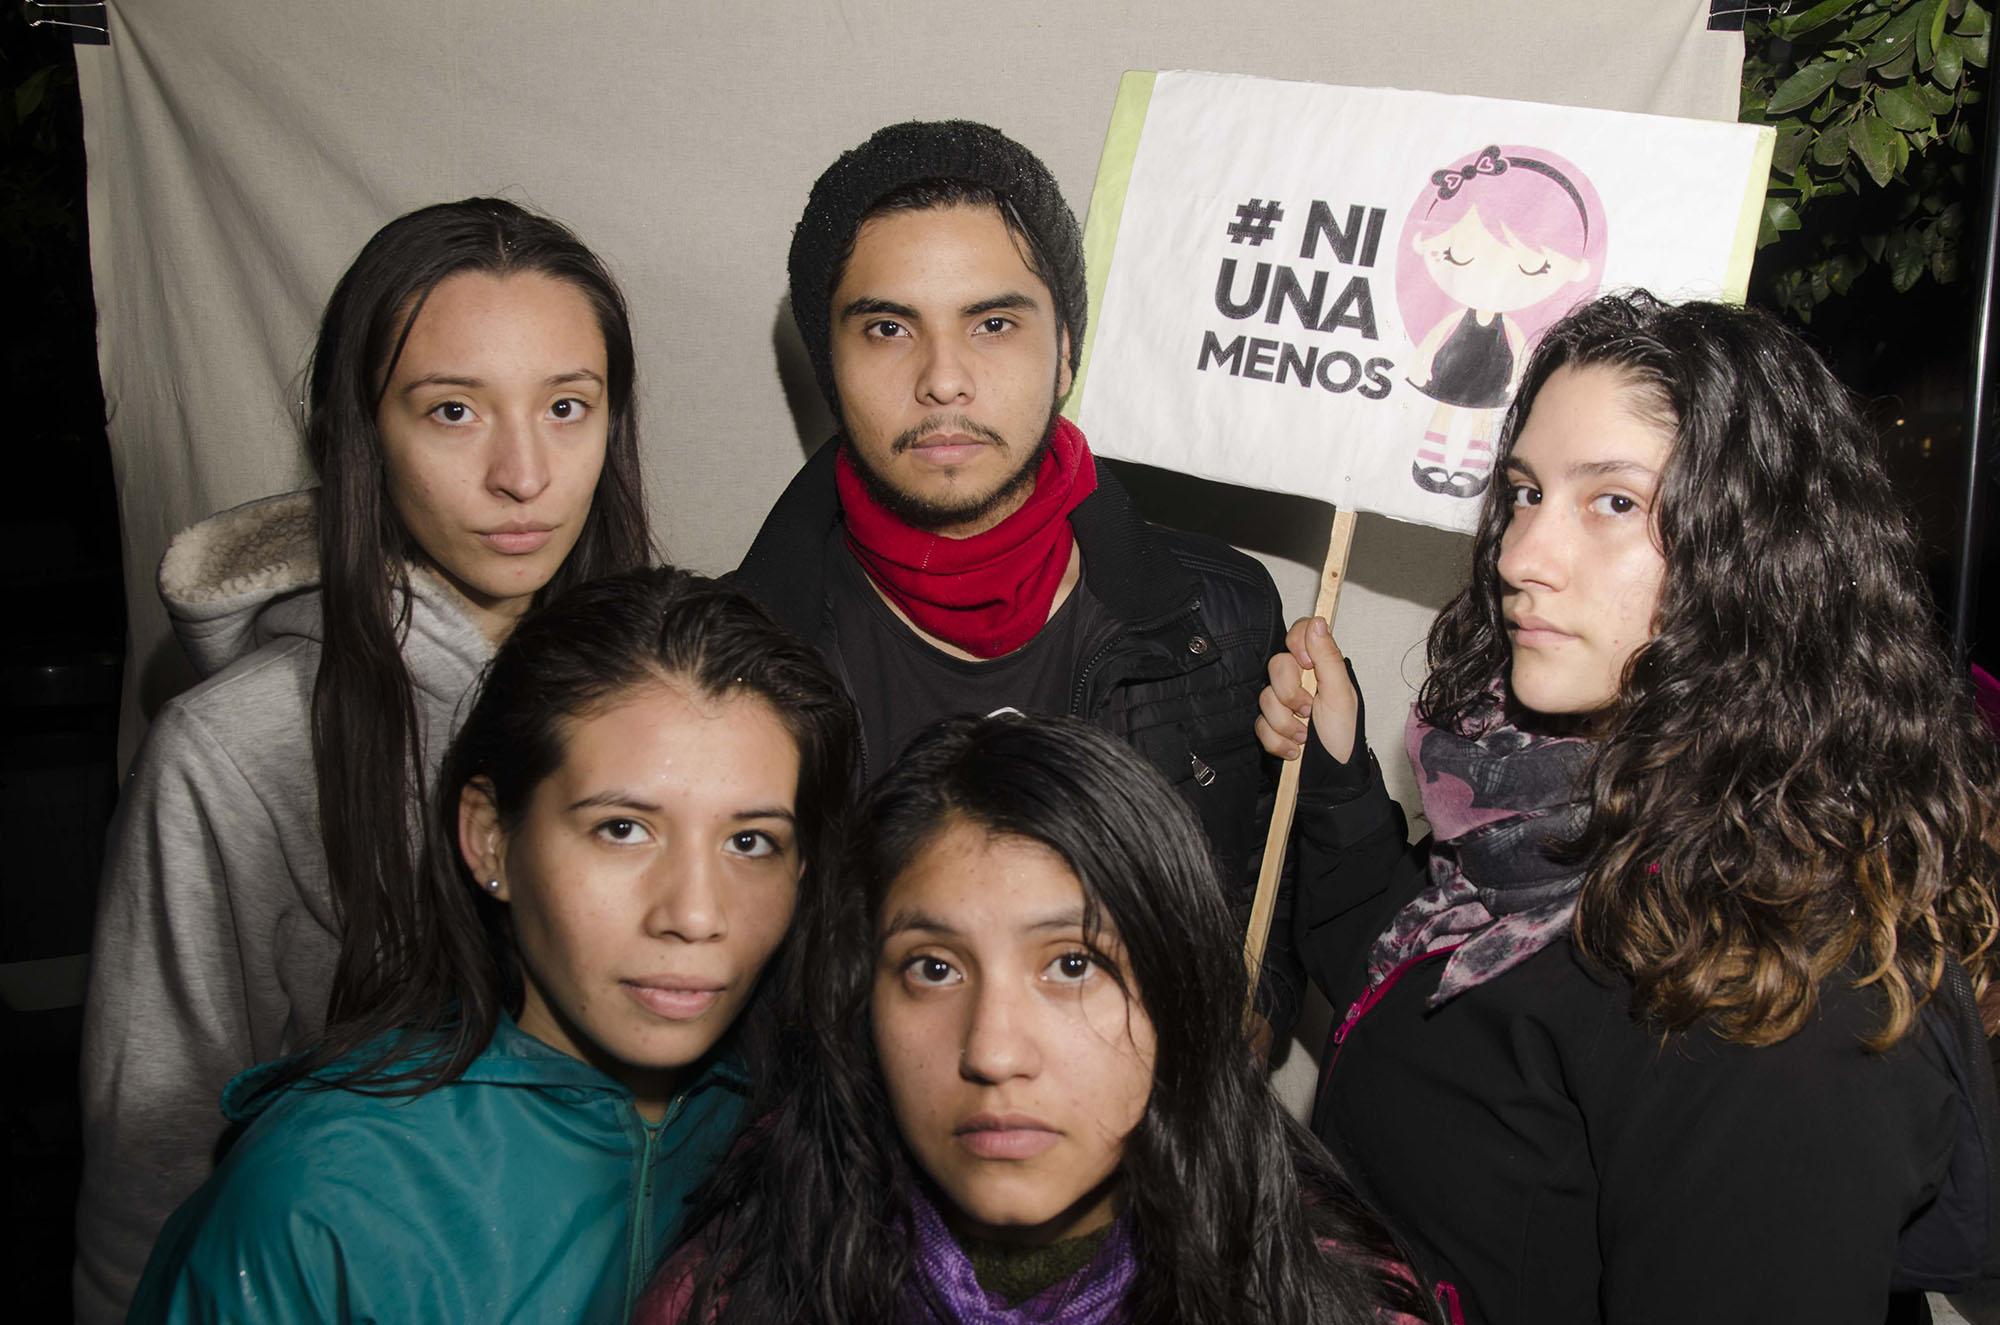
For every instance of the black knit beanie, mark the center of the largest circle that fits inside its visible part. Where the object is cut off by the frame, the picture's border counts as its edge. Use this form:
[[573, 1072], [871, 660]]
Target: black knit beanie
[[922, 150]]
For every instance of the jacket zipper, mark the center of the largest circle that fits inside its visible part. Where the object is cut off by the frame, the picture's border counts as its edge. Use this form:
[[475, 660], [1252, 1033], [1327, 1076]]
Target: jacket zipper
[[1369, 998], [638, 1263], [1446, 1291], [1192, 610]]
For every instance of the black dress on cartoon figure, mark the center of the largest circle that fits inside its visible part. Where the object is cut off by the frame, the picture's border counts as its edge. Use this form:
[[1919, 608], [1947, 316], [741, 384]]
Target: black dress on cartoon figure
[[1474, 366]]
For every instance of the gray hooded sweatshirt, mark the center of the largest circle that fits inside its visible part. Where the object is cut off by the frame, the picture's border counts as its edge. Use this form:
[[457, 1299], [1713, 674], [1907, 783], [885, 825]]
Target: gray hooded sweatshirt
[[216, 934]]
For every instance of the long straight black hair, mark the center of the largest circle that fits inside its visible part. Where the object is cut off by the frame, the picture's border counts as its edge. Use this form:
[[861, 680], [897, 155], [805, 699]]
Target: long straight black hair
[[441, 986], [365, 733], [1236, 1212]]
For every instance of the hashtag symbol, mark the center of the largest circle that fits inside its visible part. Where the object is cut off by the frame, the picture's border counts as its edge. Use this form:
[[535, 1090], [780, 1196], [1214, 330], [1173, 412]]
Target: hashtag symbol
[[1255, 221]]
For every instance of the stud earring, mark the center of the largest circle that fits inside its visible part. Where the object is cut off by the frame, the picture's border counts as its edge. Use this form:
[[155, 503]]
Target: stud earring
[[493, 886]]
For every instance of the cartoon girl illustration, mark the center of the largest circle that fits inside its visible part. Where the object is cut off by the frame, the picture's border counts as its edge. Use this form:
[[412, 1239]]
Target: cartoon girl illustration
[[1505, 243]]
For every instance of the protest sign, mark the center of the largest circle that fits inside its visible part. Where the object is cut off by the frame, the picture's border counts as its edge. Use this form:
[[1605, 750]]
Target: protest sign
[[1333, 291]]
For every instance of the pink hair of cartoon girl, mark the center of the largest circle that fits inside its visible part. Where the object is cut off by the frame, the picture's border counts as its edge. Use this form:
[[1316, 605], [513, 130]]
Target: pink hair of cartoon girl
[[1523, 194]]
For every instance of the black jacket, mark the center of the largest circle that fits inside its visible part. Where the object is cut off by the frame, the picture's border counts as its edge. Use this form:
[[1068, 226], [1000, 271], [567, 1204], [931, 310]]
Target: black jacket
[[1560, 1163], [1178, 674]]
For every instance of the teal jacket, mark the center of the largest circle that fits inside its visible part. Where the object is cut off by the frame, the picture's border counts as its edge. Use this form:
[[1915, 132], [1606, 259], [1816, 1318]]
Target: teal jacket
[[528, 1190]]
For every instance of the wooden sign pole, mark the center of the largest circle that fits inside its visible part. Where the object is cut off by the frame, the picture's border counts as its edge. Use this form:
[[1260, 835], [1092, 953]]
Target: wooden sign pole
[[1332, 576]]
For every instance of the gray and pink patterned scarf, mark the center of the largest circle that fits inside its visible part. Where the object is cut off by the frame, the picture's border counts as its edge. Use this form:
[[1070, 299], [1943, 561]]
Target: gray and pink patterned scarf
[[1498, 798]]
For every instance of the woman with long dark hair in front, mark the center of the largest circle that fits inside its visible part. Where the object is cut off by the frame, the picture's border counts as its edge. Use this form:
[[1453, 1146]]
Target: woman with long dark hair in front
[[1674, 1016], [471, 415], [1019, 1087], [505, 1125]]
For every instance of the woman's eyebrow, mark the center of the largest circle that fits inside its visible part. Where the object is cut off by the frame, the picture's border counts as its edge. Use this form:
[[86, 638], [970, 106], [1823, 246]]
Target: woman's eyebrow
[[911, 919], [906, 920], [1601, 468], [1584, 468], [445, 379], [617, 799]]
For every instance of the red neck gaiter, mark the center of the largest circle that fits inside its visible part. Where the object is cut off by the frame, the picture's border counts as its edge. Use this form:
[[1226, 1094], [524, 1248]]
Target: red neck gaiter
[[987, 594]]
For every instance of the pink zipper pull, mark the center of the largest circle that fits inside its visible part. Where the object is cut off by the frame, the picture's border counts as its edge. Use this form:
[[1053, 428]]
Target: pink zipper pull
[[1354, 1012]]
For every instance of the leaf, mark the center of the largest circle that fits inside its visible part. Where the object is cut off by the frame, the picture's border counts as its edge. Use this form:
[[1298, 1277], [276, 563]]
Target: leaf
[[1899, 38], [1944, 264], [1830, 148], [1974, 49], [1873, 145], [1780, 215], [1872, 246], [1803, 87], [1853, 73], [1936, 33], [1902, 109], [1795, 24], [1906, 260], [1936, 99], [1866, 26], [28, 96], [1791, 149], [1905, 277], [1950, 61], [1974, 23], [1899, 68]]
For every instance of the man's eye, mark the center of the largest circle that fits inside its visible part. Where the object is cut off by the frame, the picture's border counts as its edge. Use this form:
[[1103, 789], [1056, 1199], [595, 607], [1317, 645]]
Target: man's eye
[[993, 324], [885, 328]]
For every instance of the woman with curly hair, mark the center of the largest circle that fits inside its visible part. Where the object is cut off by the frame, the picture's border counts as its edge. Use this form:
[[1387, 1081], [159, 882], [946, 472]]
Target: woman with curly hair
[[1019, 1089], [1659, 1024]]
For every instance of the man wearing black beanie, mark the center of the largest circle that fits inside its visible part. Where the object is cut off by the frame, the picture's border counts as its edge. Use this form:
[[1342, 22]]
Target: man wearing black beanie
[[956, 548]]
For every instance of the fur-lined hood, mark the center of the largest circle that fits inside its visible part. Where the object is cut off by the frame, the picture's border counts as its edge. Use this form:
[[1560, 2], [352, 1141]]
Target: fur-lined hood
[[250, 575], [219, 576]]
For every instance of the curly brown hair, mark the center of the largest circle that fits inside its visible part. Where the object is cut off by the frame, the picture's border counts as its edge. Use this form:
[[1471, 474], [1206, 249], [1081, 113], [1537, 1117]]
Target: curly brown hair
[[1792, 780]]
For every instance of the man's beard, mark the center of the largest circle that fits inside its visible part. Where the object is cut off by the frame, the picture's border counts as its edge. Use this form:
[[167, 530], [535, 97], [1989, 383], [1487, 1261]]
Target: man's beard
[[930, 515]]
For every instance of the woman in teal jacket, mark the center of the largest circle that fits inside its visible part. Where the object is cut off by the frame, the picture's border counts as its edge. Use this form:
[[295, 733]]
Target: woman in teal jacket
[[503, 1123]]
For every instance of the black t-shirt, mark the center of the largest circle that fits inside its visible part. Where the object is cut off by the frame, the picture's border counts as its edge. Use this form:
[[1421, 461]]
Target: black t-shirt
[[902, 683]]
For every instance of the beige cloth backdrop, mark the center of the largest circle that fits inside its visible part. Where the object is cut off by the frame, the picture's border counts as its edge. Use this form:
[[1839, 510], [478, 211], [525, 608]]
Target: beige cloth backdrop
[[242, 150]]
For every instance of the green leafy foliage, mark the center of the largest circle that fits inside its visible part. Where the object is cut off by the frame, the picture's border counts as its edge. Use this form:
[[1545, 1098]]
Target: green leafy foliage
[[1877, 117]]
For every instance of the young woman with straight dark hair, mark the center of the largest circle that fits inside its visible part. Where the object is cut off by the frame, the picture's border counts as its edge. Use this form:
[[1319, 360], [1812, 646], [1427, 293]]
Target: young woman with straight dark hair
[[471, 415], [1019, 1087], [504, 1126], [1674, 1018]]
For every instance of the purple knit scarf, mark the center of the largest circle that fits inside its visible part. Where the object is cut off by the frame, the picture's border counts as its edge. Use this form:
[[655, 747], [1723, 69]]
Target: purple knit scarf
[[1498, 798], [943, 1291]]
